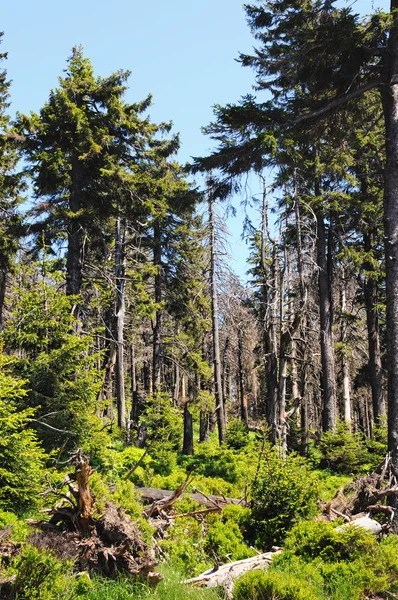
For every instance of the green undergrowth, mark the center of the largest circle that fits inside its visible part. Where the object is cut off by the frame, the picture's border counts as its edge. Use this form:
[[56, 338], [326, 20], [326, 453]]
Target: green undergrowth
[[322, 562]]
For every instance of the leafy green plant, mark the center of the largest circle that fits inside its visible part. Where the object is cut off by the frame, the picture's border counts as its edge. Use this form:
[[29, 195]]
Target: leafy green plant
[[237, 434], [343, 451], [224, 540], [21, 456], [42, 576], [284, 492], [263, 585]]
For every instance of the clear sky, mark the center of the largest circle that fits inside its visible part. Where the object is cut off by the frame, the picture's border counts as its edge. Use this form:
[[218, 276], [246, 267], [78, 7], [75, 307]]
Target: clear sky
[[181, 51]]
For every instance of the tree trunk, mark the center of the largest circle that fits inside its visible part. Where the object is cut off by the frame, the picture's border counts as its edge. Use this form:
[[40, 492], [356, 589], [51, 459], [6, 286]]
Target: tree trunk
[[188, 432], [3, 289], [146, 368], [390, 107], [157, 330], [329, 416], [135, 400], [244, 415], [372, 322], [75, 238], [120, 318], [204, 426], [345, 362], [214, 314]]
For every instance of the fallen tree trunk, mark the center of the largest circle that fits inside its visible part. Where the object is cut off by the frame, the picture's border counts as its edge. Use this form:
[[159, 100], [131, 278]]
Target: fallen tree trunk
[[225, 575], [154, 495]]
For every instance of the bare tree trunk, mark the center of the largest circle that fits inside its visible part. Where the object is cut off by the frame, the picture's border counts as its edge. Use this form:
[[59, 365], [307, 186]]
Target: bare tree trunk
[[204, 426], [345, 361], [372, 321], [147, 375], [3, 289], [390, 107], [188, 432], [329, 416], [135, 404], [157, 330], [75, 239], [226, 377], [176, 391], [214, 311], [120, 318], [243, 398]]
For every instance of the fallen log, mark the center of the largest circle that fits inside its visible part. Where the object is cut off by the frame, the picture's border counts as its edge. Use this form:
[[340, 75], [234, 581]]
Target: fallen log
[[150, 495], [225, 575]]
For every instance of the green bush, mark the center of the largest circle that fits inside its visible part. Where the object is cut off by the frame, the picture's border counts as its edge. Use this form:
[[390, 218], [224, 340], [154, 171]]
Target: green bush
[[343, 451], [163, 422], [224, 540], [270, 585], [317, 539], [21, 456], [237, 434], [284, 492], [184, 543], [42, 576], [212, 461]]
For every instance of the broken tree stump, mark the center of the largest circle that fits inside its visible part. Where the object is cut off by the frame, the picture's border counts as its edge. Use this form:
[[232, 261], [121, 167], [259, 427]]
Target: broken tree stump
[[109, 544]]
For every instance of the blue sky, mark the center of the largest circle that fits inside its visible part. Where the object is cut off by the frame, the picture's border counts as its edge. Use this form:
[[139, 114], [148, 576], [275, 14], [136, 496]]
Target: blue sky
[[182, 52]]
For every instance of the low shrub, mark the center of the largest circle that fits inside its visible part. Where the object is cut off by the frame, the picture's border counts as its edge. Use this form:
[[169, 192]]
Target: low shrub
[[343, 451], [270, 585], [237, 434], [284, 492], [225, 540]]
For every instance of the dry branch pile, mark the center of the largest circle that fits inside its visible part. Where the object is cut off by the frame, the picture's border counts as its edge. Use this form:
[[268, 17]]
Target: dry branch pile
[[366, 496]]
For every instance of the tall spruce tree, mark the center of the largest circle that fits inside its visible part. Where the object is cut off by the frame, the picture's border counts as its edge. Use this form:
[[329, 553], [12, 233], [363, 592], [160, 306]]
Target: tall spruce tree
[[11, 185]]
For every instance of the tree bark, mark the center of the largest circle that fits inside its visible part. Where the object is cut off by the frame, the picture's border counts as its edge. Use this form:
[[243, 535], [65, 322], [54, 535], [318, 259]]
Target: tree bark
[[187, 447], [120, 318], [157, 330], [329, 415], [390, 107], [3, 289], [345, 362], [214, 314], [75, 238], [244, 414], [372, 322]]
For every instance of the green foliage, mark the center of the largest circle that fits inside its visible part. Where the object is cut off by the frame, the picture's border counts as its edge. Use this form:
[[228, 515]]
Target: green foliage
[[329, 483], [237, 434], [263, 585], [42, 576], [343, 451], [21, 456], [377, 447], [212, 461], [184, 544], [224, 540], [340, 564], [16, 528], [316, 539], [170, 588], [163, 422], [284, 492], [60, 368]]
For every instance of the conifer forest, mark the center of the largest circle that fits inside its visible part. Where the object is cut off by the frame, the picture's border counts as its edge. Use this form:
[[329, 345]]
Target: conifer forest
[[169, 430]]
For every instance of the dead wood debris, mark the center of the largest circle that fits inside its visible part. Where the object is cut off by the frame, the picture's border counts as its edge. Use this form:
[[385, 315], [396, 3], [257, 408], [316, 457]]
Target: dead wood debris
[[225, 575], [109, 544], [364, 497]]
